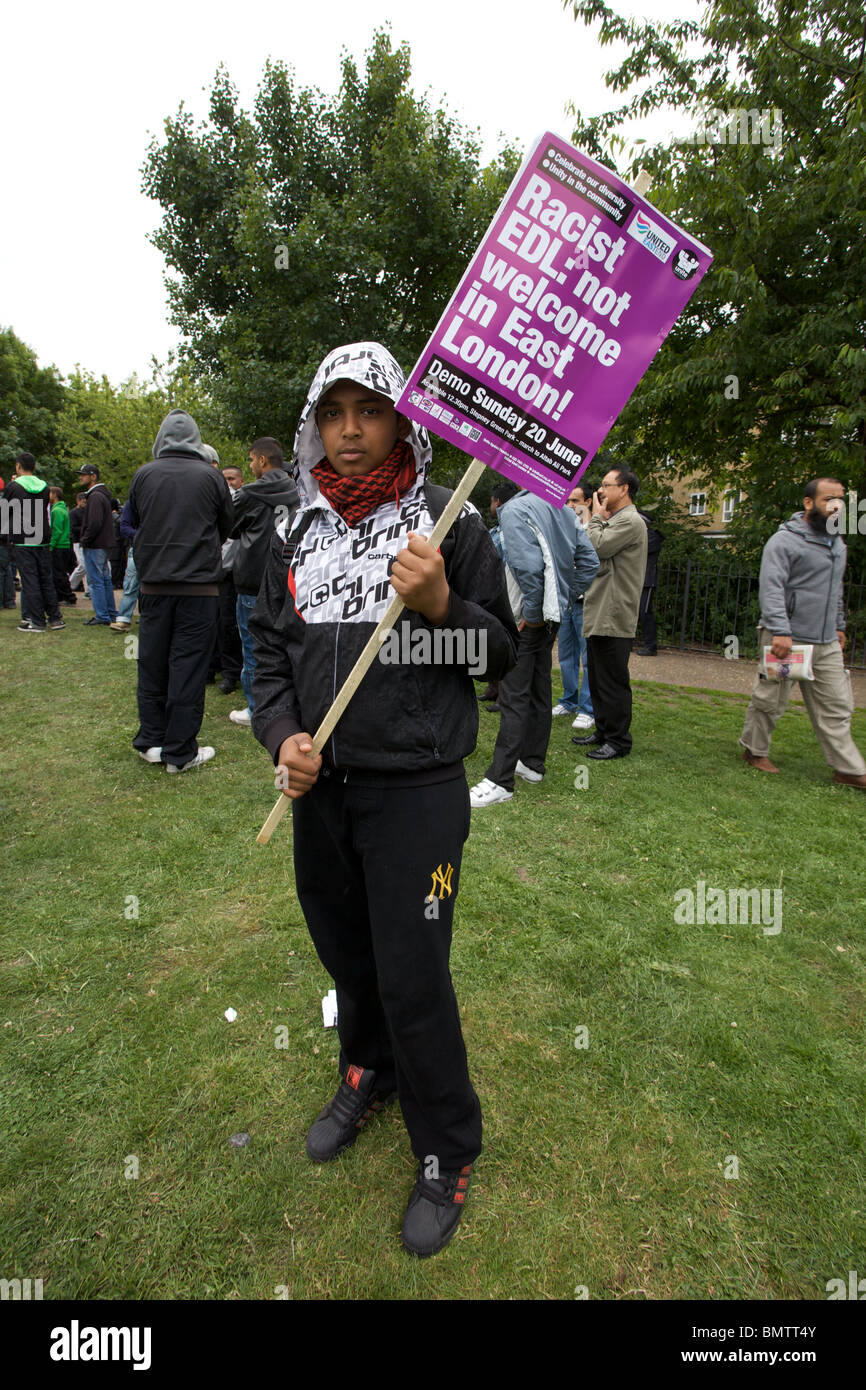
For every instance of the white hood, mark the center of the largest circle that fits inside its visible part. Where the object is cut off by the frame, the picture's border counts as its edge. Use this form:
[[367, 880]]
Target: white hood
[[368, 364]]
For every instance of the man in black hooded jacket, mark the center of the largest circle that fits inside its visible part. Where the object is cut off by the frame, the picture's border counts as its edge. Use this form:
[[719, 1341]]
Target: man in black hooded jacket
[[259, 507], [182, 511]]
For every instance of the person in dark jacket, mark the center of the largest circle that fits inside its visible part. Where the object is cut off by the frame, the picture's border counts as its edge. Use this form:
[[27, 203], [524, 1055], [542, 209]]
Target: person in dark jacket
[[7, 567], [229, 656], [645, 614], [259, 507], [117, 554], [76, 521], [26, 524], [127, 604], [181, 510], [97, 540], [381, 817]]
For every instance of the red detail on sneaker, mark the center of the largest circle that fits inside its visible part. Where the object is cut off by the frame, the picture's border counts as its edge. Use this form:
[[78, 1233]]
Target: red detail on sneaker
[[353, 1076], [460, 1196]]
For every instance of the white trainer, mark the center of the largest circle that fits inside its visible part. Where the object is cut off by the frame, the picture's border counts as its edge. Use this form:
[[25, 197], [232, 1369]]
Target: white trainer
[[241, 716], [203, 755], [527, 774], [150, 755], [487, 793], [559, 709], [583, 721]]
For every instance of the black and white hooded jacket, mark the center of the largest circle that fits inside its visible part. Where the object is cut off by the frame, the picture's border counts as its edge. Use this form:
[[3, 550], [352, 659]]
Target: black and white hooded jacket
[[325, 588]]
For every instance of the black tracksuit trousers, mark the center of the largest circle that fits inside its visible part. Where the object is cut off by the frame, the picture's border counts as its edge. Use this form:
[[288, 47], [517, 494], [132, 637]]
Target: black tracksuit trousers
[[175, 640], [38, 595], [647, 619], [377, 869], [227, 655]]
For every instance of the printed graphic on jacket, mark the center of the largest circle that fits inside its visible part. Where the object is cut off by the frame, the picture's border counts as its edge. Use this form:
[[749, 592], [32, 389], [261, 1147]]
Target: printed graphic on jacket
[[342, 574]]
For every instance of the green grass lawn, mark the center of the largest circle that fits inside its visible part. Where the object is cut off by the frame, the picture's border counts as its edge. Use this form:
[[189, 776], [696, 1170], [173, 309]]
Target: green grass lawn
[[604, 1165]]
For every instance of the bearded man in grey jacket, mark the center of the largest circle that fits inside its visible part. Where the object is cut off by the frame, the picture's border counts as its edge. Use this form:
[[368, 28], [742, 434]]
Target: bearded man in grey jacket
[[802, 569]]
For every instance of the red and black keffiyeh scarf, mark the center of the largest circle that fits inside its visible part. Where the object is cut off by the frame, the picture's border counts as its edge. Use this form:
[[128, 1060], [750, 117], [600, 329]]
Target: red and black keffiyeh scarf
[[354, 498]]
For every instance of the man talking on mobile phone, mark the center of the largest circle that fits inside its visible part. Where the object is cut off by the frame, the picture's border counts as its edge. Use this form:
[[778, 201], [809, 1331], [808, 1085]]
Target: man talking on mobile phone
[[610, 611]]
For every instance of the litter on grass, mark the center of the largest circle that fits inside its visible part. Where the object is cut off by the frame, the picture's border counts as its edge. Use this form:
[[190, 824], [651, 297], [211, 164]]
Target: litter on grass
[[329, 1009]]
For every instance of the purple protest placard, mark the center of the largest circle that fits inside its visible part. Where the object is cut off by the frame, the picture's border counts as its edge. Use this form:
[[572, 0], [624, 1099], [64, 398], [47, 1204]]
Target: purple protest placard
[[576, 284]]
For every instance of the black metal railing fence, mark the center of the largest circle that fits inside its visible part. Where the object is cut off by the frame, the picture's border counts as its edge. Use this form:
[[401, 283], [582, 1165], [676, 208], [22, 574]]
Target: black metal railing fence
[[701, 607]]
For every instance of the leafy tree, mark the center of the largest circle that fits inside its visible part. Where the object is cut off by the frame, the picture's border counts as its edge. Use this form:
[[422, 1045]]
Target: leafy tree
[[761, 383], [313, 221], [30, 399], [115, 427]]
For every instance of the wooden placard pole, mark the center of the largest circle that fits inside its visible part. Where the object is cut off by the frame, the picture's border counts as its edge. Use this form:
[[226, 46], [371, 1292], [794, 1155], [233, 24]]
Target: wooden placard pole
[[371, 651]]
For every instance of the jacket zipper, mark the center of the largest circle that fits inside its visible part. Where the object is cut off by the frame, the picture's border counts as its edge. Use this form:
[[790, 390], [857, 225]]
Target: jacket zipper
[[334, 696], [829, 588], [427, 715]]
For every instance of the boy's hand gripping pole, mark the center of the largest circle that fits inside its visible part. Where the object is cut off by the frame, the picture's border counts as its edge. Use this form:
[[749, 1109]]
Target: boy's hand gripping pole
[[368, 655]]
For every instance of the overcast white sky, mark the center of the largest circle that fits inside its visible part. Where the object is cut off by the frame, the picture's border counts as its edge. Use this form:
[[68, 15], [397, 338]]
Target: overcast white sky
[[85, 85]]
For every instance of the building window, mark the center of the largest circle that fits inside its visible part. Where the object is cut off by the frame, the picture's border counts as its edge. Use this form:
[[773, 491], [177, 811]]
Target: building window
[[729, 505], [697, 504]]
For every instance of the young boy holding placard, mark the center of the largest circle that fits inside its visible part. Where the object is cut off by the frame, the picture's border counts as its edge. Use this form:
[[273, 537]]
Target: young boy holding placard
[[381, 817]]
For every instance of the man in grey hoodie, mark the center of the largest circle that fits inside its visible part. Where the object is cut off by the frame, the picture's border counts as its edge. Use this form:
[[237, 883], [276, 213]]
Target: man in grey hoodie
[[181, 508], [802, 569]]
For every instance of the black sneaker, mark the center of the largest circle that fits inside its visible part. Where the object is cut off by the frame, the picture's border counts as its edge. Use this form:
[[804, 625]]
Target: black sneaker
[[434, 1210], [228, 686], [27, 626], [337, 1126], [56, 626]]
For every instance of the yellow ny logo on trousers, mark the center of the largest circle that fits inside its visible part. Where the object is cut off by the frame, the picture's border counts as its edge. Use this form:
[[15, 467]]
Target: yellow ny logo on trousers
[[442, 881]]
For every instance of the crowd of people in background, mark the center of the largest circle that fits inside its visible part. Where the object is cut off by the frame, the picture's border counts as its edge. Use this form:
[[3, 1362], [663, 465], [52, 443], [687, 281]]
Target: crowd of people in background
[[581, 581]]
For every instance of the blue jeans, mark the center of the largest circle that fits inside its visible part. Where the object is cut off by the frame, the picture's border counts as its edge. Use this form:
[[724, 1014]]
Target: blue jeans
[[572, 657], [246, 604], [130, 592], [99, 583]]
